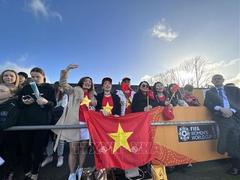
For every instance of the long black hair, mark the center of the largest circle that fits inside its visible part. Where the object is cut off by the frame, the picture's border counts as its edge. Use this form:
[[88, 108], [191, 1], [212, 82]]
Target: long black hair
[[164, 90], [81, 81]]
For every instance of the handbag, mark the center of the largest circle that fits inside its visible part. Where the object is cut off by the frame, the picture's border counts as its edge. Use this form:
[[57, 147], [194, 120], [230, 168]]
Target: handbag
[[167, 113], [159, 172]]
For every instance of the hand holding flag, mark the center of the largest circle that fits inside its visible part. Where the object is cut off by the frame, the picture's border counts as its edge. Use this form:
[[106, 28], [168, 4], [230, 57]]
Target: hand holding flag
[[174, 90], [149, 95]]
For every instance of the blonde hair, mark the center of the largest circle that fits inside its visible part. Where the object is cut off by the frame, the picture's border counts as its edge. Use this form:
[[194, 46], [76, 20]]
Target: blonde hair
[[15, 85]]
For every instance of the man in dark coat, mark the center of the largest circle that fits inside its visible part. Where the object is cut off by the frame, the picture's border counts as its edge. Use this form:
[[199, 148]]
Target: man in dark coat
[[224, 103]]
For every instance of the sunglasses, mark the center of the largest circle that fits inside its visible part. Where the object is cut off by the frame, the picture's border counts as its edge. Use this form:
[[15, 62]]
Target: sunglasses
[[145, 85]]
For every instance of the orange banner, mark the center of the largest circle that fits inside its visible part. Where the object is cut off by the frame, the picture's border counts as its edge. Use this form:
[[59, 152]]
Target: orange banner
[[171, 151]]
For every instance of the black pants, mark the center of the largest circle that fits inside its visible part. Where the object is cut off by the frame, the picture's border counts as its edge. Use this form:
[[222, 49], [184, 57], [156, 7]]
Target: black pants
[[33, 144], [8, 151], [235, 163]]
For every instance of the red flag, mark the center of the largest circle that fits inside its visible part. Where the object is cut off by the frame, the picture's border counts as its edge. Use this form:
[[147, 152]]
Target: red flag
[[175, 88], [125, 87], [122, 142], [150, 94]]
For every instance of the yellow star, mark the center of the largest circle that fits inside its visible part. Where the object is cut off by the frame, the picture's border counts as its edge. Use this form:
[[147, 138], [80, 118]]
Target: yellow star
[[120, 139], [85, 101], [108, 108]]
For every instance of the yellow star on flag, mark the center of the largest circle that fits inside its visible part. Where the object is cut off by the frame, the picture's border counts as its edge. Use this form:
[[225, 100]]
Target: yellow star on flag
[[120, 139], [108, 108], [86, 101]]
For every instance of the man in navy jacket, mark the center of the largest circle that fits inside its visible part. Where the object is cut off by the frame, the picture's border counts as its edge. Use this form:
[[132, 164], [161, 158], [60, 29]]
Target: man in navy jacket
[[224, 103]]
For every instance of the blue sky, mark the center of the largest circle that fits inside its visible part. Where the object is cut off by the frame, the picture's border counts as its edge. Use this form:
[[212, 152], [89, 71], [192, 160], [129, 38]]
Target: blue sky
[[118, 38]]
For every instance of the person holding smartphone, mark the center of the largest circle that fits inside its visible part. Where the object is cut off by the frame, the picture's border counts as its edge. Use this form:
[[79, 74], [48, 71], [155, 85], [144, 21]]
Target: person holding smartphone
[[35, 111]]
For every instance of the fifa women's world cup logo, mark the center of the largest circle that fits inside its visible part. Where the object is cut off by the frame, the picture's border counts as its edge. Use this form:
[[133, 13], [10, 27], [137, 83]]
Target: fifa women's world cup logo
[[184, 133]]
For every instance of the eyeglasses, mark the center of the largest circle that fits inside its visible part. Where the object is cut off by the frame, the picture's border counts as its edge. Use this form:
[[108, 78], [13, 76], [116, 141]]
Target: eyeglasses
[[145, 85]]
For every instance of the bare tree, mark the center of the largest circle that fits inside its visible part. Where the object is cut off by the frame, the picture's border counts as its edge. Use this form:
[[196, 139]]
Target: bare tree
[[194, 71], [198, 67]]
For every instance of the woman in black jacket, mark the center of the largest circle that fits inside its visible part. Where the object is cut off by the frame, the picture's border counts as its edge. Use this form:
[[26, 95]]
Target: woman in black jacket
[[140, 102], [144, 100], [35, 111]]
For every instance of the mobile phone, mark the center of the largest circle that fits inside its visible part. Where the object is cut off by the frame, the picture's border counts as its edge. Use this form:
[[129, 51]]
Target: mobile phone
[[27, 97]]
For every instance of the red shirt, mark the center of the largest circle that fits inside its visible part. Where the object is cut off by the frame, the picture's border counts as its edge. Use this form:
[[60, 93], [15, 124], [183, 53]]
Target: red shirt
[[83, 107], [107, 100]]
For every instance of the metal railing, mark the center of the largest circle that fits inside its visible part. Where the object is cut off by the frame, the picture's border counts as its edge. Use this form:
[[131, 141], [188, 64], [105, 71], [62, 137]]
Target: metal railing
[[156, 123]]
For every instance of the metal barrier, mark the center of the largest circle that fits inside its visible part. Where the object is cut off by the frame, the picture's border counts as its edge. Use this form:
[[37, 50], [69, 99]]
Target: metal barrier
[[158, 123]]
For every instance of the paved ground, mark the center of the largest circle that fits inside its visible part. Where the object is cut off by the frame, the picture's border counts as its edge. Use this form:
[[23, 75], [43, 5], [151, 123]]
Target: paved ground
[[211, 170]]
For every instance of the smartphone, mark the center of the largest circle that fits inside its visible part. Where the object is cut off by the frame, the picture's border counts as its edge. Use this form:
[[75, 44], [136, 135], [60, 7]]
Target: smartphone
[[27, 97]]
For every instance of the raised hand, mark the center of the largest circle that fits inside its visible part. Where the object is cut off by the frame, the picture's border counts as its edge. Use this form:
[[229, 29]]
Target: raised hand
[[148, 108], [71, 66]]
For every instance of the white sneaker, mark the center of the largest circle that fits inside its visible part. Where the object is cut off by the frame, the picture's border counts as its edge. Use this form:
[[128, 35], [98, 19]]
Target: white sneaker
[[47, 161], [60, 161], [28, 174], [1, 161], [79, 172], [72, 176], [34, 177], [10, 176]]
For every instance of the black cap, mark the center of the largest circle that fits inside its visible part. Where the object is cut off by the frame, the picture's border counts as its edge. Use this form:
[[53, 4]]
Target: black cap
[[126, 79], [106, 79], [23, 74]]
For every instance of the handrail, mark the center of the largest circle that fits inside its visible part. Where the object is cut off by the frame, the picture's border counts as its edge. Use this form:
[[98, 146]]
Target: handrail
[[177, 123], [158, 123]]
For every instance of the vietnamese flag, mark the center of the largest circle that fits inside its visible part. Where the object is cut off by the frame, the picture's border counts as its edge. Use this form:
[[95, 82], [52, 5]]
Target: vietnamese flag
[[121, 142]]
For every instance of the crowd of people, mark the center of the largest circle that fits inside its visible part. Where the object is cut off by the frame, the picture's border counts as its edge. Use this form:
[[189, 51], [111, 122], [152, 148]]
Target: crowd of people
[[62, 103]]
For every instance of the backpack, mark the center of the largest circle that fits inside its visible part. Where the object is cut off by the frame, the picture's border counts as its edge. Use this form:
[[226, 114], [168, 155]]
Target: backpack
[[8, 114]]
